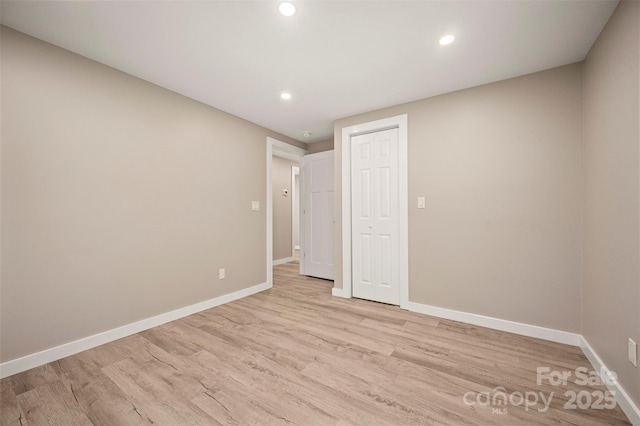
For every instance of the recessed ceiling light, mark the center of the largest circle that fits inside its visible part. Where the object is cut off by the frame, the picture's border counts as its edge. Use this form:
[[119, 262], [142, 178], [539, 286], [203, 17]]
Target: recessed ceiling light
[[287, 8], [448, 39], [306, 134], [286, 96]]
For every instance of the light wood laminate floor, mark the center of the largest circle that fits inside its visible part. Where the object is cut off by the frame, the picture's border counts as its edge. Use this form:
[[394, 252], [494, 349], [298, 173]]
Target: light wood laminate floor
[[297, 355]]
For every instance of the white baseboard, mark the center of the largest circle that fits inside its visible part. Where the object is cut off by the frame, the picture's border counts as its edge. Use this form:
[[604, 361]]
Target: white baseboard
[[498, 324], [27, 362], [284, 260], [622, 398], [340, 292]]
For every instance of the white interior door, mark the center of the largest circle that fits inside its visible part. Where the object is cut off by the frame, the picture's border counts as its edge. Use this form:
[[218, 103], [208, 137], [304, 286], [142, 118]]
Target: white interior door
[[375, 220], [318, 214]]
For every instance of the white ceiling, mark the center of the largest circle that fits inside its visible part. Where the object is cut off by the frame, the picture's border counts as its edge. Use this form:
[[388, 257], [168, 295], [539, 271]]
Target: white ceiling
[[337, 58]]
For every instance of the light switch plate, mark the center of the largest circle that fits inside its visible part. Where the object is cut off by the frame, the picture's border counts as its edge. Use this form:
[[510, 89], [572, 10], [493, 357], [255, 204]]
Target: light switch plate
[[421, 203], [255, 205]]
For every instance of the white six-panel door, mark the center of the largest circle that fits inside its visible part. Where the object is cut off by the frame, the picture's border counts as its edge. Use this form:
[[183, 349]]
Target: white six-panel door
[[318, 214], [375, 221]]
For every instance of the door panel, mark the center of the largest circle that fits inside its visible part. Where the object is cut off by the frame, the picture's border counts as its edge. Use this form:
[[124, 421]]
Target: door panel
[[365, 199], [384, 245], [318, 214], [365, 253], [375, 220]]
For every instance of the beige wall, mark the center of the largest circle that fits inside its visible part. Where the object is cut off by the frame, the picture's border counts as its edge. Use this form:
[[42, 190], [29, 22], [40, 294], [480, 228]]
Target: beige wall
[[611, 295], [327, 145], [500, 167], [120, 200], [282, 226]]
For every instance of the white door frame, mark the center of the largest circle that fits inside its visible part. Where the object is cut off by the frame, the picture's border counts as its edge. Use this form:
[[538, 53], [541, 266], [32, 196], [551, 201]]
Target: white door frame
[[295, 199], [399, 122], [284, 150]]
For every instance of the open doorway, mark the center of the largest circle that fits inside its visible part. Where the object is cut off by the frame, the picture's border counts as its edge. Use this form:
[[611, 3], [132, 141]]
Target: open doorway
[[285, 223], [310, 201], [279, 150]]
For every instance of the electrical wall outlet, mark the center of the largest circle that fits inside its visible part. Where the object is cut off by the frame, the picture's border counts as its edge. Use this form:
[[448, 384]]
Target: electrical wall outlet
[[633, 353], [221, 274]]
